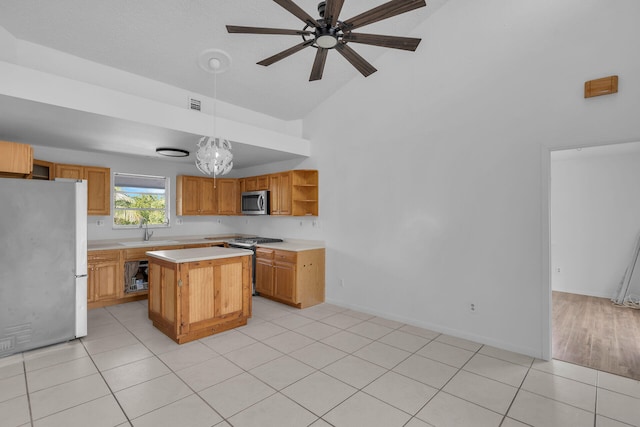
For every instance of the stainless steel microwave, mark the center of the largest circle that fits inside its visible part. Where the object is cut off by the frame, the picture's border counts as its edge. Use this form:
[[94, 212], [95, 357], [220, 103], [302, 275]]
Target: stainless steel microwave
[[255, 202]]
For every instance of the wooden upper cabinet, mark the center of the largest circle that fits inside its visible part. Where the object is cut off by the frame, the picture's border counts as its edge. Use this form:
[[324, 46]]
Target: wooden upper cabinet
[[292, 193], [280, 197], [208, 202], [256, 183], [187, 199], [195, 196], [251, 183], [227, 191], [98, 183], [242, 187], [43, 170], [69, 171], [304, 192], [262, 182], [16, 160]]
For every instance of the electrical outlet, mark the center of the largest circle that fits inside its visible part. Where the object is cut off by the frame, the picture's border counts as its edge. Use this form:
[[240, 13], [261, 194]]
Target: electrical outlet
[[178, 221], [473, 308], [342, 283], [100, 222]]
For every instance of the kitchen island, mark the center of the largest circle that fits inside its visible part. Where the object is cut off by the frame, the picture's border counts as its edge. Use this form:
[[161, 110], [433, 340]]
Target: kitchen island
[[194, 293]]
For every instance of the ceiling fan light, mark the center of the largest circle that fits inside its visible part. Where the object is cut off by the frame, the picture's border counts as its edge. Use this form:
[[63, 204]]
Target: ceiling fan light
[[326, 41]]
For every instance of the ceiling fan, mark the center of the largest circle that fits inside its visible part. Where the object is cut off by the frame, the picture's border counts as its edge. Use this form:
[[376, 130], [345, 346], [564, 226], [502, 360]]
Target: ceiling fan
[[329, 32]]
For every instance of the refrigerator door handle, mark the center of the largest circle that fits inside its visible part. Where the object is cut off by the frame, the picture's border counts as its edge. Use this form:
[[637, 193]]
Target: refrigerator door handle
[[81, 228], [81, 306]]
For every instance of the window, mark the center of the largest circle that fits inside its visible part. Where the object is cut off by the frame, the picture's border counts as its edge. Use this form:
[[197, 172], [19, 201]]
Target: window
[[140, 197]]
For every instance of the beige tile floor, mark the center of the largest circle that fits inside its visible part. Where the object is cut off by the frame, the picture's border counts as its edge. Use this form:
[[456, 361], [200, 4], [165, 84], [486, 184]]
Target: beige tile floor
[[322, 366]]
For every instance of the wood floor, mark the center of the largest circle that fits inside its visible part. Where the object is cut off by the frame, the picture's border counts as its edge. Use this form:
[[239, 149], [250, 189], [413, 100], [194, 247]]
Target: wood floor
[[593, 332]]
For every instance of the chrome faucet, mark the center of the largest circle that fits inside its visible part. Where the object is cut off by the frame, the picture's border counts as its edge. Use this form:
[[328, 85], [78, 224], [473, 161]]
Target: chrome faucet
[[147, 234]]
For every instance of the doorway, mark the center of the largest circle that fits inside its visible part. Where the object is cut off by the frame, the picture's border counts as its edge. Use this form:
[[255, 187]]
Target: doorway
[[594, 225]]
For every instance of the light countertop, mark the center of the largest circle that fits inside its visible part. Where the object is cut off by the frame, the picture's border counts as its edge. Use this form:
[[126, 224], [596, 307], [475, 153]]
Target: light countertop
[[179, 256], [294, 245], [99, 245]]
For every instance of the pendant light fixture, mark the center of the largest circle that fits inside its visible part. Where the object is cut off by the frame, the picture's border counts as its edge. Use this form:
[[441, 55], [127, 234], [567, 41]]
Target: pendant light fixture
[[213, 155]]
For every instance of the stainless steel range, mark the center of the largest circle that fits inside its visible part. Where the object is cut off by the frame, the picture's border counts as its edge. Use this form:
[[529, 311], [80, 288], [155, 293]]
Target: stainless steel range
[[251, 243]]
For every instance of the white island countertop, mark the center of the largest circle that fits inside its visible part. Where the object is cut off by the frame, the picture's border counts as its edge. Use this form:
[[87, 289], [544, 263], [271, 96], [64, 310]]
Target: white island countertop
[[179, 256]]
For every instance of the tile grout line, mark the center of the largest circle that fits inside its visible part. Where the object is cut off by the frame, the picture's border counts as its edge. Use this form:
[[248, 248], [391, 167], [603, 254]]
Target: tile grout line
[[171, 371], [519, 388], [516, 394], [100, 371], [26, 386]]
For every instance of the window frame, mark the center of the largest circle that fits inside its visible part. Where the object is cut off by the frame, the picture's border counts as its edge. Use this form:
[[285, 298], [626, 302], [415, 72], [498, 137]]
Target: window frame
[[167, 207]]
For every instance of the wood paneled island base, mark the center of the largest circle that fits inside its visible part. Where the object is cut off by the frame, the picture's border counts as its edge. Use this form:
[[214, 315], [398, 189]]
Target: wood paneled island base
[[194, 293]]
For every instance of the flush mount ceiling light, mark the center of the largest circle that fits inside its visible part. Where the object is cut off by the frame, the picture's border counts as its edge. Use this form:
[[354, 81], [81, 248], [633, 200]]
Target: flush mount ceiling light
[[172, 152], [213, 155]]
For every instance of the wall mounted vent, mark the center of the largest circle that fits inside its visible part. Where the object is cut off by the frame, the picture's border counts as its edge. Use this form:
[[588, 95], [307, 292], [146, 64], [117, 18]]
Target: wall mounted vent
[[195, 104]]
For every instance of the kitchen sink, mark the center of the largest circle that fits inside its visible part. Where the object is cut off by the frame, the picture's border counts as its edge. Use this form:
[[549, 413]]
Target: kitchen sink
[[149, 243]]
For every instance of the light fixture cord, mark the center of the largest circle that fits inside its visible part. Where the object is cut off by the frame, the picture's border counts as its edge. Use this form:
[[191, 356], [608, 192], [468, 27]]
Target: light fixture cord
[[215, 116]]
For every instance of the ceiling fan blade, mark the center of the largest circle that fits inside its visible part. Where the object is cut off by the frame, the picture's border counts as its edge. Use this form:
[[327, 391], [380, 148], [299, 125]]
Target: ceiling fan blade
[[318, 64], [332, 11], [384, 11], [356, 60], [298, 12], [405, 43], [278, 56], [259, 30]]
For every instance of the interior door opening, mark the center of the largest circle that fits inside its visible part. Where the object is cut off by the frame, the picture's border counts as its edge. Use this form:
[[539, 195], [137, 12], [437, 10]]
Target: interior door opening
[[594, 226]]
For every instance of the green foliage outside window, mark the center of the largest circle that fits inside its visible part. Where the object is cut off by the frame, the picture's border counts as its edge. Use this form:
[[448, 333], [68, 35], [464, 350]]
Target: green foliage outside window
[[134, 204]]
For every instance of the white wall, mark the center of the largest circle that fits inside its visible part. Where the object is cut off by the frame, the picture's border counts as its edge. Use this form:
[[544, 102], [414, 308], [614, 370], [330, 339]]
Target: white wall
[[434, 172], [283, 227], [595, 221]]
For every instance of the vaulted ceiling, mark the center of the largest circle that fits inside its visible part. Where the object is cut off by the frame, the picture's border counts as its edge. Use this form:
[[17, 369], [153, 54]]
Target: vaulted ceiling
[[162, 39]]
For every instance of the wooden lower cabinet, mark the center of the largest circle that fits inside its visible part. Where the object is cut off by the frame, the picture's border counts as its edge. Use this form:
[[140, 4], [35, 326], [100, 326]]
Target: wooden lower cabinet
[[192, 300], [108, 278], [294, 278], [264, 271], [103, 278], [284, 276]]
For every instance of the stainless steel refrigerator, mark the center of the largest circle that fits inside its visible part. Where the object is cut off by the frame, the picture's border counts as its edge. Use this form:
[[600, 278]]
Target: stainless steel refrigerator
[[43, 263]]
